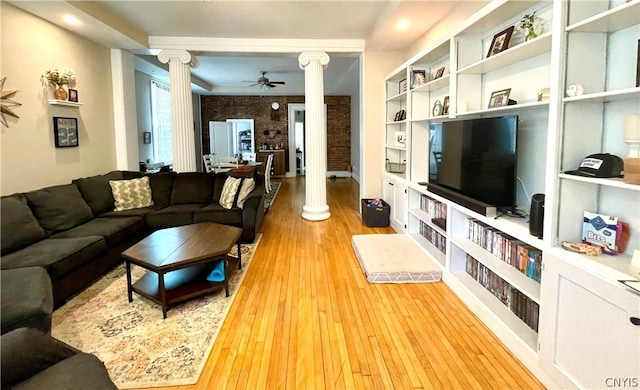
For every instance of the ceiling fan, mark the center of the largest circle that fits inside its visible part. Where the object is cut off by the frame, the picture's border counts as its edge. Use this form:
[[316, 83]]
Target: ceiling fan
[[264, 82]]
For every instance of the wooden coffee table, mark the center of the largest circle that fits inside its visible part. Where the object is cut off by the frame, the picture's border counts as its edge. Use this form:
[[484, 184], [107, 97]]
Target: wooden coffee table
[[179, 259]]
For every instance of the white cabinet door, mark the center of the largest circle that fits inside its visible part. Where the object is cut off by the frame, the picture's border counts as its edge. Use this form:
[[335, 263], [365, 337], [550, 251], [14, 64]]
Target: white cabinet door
[[589, 339], [395, 194]]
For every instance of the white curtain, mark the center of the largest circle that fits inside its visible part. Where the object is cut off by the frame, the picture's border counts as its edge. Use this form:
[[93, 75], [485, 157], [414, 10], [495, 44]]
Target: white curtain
[[161, 113]]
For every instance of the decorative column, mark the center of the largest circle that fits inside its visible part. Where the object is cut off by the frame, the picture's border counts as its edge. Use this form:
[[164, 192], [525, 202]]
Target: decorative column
[[184, 146], [315, 139]]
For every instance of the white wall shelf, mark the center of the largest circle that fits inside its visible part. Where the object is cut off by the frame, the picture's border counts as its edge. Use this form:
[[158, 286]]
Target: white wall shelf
[[615, 182], [400, 96], [605, 97], [508, 109], [521, 52], [56, 102], [433, 85], [616, 19]]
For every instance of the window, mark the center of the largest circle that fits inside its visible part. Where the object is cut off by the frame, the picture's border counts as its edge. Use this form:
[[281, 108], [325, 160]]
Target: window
[[161, 114]]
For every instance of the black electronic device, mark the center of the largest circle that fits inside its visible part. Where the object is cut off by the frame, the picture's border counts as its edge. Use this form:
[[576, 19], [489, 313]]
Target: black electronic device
[[473, 162], [536, 215]]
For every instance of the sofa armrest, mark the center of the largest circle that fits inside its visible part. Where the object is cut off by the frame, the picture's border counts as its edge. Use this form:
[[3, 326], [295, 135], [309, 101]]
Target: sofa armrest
[[252, 214], [26, 352]]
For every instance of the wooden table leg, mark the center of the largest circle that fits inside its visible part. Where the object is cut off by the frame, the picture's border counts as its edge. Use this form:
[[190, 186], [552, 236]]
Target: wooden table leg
[[163, 294], [239, 255], [129, 288], [225, 263]]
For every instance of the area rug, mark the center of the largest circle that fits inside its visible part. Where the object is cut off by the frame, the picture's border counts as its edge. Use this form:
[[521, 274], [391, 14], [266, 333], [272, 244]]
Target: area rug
[[271, 195], [394, 258], [138, 347]]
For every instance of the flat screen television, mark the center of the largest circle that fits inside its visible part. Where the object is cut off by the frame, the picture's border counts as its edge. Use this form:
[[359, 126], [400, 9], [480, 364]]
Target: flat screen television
[[473, 163]]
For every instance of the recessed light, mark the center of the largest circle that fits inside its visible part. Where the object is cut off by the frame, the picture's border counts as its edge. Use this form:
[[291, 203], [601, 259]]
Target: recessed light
[[402, 24], [70, 19]]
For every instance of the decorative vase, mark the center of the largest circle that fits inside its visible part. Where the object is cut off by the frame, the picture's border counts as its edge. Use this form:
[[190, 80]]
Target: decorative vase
[[59, 93], [531, 34]]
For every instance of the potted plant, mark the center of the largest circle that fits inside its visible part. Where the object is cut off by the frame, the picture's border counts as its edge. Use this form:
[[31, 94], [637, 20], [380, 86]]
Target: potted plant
[[527, 23], [57, 79]]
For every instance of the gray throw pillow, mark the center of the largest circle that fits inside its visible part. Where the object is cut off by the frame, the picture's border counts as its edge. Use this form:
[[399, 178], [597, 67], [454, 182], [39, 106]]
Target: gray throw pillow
[[19, 227]]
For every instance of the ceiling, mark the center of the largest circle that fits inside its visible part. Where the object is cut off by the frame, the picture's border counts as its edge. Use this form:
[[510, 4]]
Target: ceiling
[[212, 29]]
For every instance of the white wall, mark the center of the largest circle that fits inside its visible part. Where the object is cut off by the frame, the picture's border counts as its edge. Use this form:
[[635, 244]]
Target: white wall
[[375, 67], [31, 46]]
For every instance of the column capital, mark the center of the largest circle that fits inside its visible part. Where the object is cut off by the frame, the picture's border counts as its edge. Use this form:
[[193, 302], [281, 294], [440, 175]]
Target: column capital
[[306, 57], [183, 56]]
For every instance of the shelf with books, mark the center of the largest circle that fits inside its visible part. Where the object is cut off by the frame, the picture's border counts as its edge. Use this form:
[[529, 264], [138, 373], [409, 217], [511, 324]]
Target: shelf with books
[[527, 310], [435, 253], [496, 315], [506, 271]]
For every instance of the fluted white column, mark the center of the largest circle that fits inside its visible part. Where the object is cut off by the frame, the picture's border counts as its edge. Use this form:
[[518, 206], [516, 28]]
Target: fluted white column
[[315, 139], [184, 146]]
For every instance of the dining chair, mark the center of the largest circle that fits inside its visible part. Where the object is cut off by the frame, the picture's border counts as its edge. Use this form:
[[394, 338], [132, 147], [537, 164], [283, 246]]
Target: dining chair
[[208, 162], [267, 173]]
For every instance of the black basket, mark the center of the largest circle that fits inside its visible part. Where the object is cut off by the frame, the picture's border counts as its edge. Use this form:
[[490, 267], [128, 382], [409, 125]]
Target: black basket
[[375, 216]]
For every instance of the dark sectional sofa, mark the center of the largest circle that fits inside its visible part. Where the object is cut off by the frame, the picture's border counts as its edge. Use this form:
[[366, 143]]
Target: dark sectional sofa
[[72, 231]]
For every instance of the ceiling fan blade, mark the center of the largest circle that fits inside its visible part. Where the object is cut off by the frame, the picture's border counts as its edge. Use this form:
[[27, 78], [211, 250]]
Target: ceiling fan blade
[[270, 85], [253, 85], [278, 82]]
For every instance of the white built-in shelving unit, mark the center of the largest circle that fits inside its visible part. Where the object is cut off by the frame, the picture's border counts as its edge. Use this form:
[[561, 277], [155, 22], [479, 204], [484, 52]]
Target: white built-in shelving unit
[[592, 43]]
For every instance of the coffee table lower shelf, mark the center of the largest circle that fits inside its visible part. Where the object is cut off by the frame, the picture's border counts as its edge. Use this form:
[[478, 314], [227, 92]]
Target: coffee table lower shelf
[[182, 284]]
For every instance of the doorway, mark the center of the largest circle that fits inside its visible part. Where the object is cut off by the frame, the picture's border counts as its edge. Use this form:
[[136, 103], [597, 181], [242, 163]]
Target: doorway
[[296, 138]]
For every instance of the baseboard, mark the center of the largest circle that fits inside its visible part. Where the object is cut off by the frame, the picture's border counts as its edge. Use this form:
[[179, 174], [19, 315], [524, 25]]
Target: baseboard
[[338, 173]]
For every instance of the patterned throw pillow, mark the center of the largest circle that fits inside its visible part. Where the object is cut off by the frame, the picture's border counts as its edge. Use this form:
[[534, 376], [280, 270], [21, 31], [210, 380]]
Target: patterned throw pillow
[[131, 194], [235, 191], [247, 186]]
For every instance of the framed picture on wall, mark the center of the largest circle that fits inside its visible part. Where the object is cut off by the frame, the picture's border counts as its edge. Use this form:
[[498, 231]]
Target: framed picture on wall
[[65, 132], [146, 137]]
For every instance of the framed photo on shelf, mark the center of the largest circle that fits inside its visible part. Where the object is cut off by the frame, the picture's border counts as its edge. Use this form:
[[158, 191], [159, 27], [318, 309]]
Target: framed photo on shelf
[[500, 41], [499, 98], [445, 106], [403, 85], [439, 73], [418, 77], [65, 132], [401, 138], [73, 95]]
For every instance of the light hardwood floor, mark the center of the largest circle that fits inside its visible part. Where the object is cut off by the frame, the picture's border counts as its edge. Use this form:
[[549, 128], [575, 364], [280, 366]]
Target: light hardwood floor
[[306, 318]]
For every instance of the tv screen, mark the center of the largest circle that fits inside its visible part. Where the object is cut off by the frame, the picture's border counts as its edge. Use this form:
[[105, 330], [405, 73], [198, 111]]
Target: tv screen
[[476, 158]]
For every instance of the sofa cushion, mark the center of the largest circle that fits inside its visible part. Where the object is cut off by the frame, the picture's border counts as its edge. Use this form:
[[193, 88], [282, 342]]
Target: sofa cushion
[[59, 256], [131, 194], [132, 212], [161, 187], [174, 215], [114, 230], [19, 227], [26, 352], [192, 187], [96, 191], [27, 299], [80, 371], [216, 213], [59, 208]]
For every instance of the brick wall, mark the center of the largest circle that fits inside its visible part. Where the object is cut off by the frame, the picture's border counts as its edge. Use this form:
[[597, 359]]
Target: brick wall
[[258, 108]]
